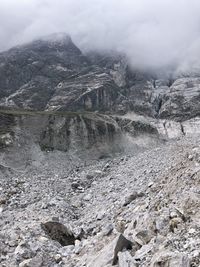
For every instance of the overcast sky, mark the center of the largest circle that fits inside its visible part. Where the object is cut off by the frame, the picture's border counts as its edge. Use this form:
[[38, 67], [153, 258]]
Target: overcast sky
[[150, 32]]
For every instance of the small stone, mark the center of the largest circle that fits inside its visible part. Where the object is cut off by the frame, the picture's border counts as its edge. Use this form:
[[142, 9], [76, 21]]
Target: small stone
[[58, 258], [125, 259], [100, 215], [191, 157], [120, 225], [37, 261], [75, 185], [34, 247], [13, 243], [55, 219], [132, 197], [81, 189], [4, 257], [106, 166], [108, 230], [89, 176], [78, 246], [173, 214], [173, 224], [191, 231], [43, 239], [87, 197], [77, 204], [144, 236], [143, 251], [23, 251], [66, 251], [196, 253], [3, 201], [150, 184], [25, 263]]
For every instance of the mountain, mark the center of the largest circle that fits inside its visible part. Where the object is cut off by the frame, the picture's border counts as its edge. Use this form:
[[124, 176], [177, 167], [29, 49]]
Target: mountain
[[53, 74], [99, 160]]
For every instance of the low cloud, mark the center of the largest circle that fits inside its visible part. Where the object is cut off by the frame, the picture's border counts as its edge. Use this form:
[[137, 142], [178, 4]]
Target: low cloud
[[152, 33]]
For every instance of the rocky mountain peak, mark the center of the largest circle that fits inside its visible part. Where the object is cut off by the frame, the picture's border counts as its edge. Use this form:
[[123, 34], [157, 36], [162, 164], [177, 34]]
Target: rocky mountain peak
[[60, 42], [60, 37], [52, 73]]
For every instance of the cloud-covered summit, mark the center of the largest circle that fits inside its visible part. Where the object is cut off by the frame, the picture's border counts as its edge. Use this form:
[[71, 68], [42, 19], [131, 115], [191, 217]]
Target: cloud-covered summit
[[152, 33]]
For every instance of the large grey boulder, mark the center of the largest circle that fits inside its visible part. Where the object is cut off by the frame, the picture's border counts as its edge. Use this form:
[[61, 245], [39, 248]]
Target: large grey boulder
[[109, 254]]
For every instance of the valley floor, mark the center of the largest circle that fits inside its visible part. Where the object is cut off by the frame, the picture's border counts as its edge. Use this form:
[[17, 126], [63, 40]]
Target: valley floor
[[152, 198]]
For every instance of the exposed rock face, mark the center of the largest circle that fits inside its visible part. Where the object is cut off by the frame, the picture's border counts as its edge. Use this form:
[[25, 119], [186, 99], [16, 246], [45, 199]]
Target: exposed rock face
[[76, 132], [30, 73], [92, 91], [87, 135], [53, 74], [182, 100]]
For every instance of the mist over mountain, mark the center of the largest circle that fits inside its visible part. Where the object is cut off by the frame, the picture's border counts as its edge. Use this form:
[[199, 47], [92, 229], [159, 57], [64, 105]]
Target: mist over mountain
[[151, 33]]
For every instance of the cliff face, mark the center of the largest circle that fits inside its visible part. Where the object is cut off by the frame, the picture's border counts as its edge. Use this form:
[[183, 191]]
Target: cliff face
[[23, 134], [30, 73]]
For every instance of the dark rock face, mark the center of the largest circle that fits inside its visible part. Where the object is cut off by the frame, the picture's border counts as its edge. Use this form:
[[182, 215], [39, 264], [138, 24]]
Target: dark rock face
[[86, 135], [30, 73], [7, 122], [53, 74], [76, 132], [182, 100]]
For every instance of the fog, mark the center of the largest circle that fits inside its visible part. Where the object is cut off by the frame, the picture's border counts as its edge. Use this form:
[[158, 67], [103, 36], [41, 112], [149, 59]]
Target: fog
[[152, 33]]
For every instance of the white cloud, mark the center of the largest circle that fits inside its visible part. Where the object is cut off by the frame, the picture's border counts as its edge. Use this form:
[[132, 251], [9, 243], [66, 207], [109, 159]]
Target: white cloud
[[151, 32]]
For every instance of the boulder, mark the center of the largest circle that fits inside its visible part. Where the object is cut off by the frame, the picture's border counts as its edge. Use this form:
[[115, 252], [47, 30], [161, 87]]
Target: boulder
[[109, 254], [125, 259], [170, 259], [128, 199], [59, 232]]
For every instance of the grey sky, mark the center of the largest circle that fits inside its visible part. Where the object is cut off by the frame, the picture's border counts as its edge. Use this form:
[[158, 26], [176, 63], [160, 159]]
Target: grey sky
[[150, 32]]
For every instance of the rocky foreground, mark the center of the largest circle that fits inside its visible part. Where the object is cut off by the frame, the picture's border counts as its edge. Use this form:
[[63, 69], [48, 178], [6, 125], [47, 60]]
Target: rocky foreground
[[131, 210]]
